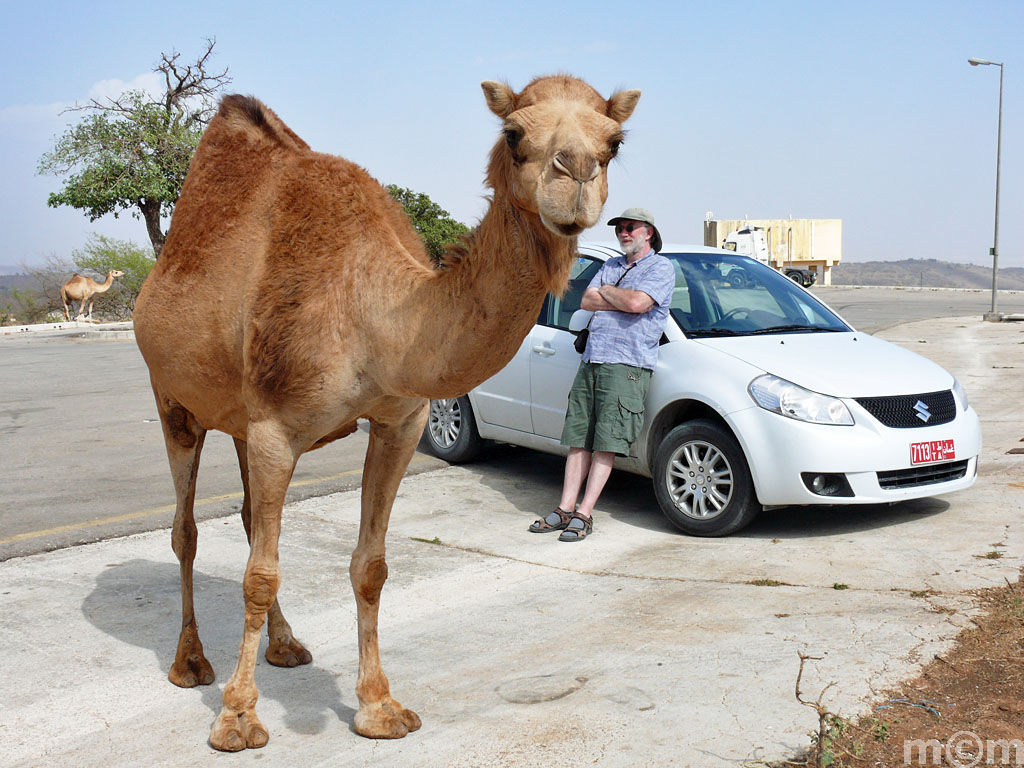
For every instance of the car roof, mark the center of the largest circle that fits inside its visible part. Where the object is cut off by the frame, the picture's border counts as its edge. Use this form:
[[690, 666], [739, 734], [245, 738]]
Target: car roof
[[609, 249]]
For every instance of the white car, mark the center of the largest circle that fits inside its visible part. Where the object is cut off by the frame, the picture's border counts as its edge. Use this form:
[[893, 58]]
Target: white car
[[762, 397]]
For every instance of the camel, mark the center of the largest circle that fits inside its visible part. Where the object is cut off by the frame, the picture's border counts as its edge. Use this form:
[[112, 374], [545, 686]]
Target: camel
[[84, 289], [293, 297]]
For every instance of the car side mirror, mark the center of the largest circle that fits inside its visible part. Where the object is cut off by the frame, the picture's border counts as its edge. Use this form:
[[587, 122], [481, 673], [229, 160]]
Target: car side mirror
[[579, 319]]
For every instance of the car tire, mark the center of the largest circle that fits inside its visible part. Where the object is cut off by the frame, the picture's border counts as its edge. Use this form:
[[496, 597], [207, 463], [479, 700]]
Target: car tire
[[698, 497], [451, 432], [796, 277], [736, 279]]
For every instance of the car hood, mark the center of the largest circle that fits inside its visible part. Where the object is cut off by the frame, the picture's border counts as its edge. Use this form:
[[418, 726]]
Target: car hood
[[838, 364]]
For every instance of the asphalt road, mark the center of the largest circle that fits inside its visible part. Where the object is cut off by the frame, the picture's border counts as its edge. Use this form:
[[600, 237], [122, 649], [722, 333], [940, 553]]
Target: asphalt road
[[875, 309], [82, 455]]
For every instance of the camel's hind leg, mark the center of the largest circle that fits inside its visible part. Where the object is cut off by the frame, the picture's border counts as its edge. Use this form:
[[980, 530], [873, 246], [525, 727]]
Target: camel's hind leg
[[393, 440], [184, 439], [271, 459], [64, 301], [284, 650]]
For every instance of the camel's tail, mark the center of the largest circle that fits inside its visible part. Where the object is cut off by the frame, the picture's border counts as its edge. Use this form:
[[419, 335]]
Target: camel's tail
[[64, 299]]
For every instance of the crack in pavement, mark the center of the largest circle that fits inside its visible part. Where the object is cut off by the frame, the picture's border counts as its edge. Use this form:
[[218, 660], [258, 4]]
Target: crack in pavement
[[678, 579]]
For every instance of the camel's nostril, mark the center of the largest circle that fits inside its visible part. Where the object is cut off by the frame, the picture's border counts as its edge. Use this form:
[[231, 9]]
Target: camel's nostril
[[580, 169], [561, 166]]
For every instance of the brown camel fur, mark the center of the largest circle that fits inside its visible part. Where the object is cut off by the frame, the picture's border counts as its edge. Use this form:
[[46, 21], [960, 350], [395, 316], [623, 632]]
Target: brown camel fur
[[293, 297], [84, 289]]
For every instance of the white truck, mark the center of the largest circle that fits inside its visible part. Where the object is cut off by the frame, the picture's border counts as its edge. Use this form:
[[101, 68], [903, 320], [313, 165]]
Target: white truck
[[750, 241]]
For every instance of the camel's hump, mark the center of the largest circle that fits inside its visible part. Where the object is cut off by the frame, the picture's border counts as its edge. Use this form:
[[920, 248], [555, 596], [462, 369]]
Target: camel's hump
[[249, 114]]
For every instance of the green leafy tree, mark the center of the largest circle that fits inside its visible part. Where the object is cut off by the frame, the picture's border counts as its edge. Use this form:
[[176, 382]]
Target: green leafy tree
[[434, 223], [132, 153], [101, 254]]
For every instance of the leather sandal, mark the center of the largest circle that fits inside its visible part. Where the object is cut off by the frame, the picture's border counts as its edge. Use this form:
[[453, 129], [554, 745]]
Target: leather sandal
[[578, 529], [554, 521]]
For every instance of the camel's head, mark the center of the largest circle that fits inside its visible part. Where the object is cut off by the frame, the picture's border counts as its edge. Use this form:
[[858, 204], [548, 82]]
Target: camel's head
[[115, 273], [558, 137]]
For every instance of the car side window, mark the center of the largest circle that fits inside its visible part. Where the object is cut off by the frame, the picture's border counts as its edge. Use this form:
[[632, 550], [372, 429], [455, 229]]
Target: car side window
[[557, 311]]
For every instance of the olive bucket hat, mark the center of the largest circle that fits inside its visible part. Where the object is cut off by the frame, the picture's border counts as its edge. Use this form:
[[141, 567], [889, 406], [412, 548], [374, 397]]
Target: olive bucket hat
[[640, 214]]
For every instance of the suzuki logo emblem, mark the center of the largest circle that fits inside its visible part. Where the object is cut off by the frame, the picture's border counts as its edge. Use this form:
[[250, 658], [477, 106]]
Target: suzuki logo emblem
[[922, 411]]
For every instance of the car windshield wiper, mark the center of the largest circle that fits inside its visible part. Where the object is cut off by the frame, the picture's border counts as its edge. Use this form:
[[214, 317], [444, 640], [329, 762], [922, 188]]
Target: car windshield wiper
[[713, 332], [795, 327]]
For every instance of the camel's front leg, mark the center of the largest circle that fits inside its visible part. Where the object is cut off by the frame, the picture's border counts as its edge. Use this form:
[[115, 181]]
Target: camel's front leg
[[271, 459], [392, 444], [184, 438], [284, 650]]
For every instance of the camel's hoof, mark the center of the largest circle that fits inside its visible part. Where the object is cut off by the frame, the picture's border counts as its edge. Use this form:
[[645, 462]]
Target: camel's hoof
[[192, 671], [235, 731], [290, 654], [387, 720]]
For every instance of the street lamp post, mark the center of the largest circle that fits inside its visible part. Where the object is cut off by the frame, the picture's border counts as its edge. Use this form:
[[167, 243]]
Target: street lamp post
[[993, 315]]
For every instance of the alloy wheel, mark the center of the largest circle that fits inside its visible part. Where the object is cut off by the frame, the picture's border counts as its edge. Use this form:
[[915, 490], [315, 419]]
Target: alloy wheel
[[444, 422], [699, 479]]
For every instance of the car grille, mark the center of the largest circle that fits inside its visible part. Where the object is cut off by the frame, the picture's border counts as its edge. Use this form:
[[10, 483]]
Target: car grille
[[901, 411], [917, 476]]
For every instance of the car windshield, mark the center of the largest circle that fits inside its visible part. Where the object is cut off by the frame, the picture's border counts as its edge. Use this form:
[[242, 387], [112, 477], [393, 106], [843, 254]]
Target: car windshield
[[720, 294]]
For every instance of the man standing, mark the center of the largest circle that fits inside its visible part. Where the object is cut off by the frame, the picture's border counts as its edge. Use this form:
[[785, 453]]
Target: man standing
[[630, 297]]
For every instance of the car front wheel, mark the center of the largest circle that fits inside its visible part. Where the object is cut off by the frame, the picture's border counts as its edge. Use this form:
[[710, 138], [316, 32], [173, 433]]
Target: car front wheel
[[702, 481], [451, 430]]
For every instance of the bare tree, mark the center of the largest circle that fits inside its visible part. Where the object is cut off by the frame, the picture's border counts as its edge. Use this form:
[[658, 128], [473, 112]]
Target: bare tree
[[133, 152]]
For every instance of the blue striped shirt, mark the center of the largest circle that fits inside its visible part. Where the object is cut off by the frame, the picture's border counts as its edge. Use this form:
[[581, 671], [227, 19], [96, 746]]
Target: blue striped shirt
[[630, 337]]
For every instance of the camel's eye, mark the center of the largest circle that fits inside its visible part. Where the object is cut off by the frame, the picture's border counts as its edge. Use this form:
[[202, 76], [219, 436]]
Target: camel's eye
[[512, 137], [613, 147]]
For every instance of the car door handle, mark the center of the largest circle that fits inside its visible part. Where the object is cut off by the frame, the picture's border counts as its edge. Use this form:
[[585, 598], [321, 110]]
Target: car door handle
[[543, 349]]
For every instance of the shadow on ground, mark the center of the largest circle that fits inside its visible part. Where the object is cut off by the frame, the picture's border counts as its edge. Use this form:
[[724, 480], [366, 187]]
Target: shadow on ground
[[138, 602], [533, 479]]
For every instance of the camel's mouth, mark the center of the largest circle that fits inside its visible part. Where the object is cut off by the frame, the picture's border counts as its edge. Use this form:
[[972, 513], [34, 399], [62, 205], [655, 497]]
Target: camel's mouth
[[565, 230]]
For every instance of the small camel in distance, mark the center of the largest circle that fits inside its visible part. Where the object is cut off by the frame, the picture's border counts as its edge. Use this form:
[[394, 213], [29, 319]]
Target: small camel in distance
[[84, 289]]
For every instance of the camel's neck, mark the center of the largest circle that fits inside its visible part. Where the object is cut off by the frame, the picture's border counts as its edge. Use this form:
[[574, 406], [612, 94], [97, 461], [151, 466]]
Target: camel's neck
[[475, 313], [105, 285]]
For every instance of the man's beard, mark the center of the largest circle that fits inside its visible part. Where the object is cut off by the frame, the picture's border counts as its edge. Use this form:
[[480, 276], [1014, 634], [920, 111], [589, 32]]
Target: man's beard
[[635, 248]]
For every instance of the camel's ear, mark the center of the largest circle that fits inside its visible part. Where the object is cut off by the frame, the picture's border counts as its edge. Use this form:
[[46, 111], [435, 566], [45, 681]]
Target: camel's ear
[[500, 98], [622, 104]]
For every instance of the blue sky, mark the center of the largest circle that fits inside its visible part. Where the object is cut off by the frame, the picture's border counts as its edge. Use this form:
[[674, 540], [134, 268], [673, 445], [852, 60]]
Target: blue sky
[[863, 111]]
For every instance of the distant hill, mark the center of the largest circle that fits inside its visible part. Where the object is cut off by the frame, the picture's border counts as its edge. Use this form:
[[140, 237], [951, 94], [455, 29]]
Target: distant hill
[[910, 273], [928, 273], [9, 281]]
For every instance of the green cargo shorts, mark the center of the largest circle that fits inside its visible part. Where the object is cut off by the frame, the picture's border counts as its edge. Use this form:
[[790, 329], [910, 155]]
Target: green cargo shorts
[[606, 407]]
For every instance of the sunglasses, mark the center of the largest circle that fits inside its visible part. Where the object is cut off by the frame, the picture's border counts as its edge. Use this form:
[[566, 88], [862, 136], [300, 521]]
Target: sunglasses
[[628, 228]]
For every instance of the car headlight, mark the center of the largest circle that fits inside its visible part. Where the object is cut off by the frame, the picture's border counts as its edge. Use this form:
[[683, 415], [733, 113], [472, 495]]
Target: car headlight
[[960, 393], [786, 398]]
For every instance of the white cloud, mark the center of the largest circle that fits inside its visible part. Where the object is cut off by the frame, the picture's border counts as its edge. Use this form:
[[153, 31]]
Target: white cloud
[[27, 114], [150, 82]]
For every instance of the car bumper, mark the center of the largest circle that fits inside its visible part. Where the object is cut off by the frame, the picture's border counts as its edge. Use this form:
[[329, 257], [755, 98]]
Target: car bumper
[[874, 460]]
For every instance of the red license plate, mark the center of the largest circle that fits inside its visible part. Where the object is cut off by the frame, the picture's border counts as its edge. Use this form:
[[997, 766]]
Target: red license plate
[[935, 450]]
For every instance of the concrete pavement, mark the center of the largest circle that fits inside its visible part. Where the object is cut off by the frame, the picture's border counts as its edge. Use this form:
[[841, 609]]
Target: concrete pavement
[[637, 647]]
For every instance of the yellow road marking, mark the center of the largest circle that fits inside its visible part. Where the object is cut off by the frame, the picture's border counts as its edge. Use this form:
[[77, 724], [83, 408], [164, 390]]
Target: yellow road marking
[[171, 507]]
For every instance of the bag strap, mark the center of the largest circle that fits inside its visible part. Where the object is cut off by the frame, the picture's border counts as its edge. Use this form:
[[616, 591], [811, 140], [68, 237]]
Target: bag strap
[[615, 286]]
